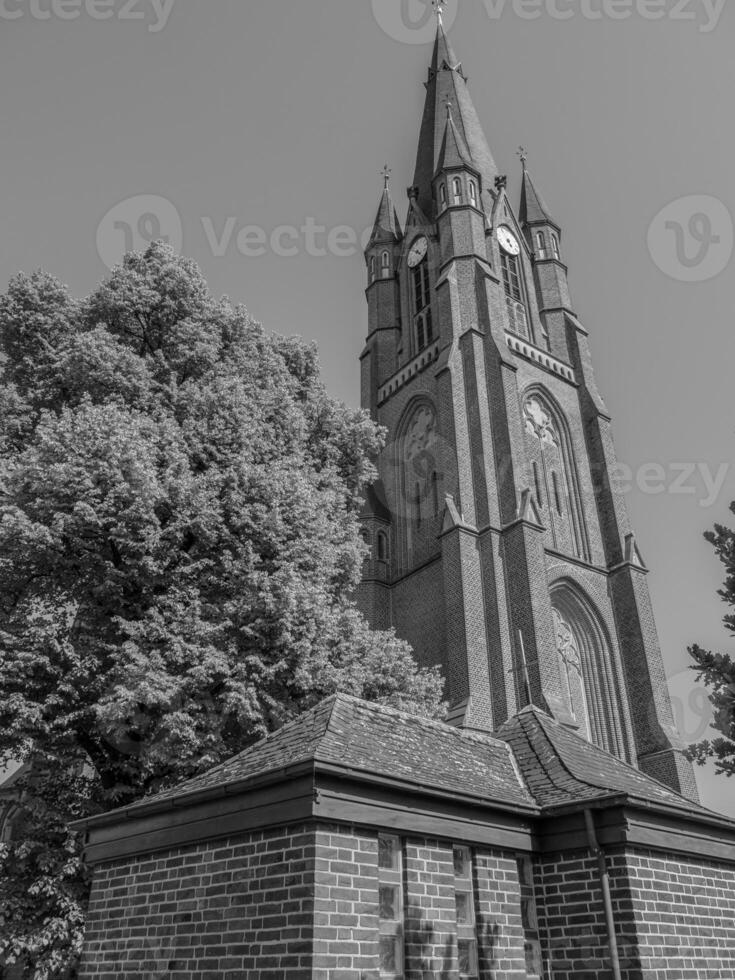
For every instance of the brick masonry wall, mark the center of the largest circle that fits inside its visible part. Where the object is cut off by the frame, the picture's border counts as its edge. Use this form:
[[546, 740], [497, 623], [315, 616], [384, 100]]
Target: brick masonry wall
[[236, 909], [572, 917], [431, 928], [675, 917], [684, 915], [345, 904]]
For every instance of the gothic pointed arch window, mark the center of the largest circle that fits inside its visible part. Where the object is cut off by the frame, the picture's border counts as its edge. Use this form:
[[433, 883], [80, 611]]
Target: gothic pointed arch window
[[382, 546], [556, 251], [385, 265], [591, 683], [442, 196], [473, 194], [456, 191], [554, 476], [372, 268], [540, 245], [419, 481]]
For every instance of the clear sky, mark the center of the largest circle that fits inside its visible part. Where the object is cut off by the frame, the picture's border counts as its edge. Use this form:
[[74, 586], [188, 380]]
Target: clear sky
[[281, 113]]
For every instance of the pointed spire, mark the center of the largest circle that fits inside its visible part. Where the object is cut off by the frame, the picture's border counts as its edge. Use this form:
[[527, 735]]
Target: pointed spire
[[448, 83], [533, 208], [387, 227], [454, 151]]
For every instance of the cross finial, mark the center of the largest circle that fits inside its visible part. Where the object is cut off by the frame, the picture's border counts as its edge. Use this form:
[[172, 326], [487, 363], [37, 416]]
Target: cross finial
[[523, 154], [439, 6], [385, 174]]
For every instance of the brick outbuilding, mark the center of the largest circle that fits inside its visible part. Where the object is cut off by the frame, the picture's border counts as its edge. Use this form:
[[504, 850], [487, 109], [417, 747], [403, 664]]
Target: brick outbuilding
[[361, 842]]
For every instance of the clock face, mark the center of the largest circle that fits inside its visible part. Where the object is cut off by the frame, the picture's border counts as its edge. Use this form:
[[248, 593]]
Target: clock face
[[418, 250], [508, 241]]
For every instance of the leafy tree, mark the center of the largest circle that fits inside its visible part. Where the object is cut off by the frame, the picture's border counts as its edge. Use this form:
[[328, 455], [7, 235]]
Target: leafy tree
[[179, 547], [717, 670]]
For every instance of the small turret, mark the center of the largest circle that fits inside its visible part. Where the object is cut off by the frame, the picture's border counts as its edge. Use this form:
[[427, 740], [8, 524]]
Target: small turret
[[544, 238], [383, 248]]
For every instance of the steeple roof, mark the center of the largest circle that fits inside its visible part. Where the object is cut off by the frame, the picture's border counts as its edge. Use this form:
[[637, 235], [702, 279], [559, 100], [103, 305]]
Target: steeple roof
[[387, 227], [533, 208], [448, 83], [454, 151]]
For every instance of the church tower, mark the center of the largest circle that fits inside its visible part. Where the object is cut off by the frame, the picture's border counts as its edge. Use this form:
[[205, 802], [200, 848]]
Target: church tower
[[500, 547]]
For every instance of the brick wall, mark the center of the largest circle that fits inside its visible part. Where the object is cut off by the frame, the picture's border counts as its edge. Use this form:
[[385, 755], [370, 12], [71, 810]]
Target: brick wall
[[675, 917], [684, 914], [572, 917], [345, 904], [292, 904], [431, 927], [235, 909]]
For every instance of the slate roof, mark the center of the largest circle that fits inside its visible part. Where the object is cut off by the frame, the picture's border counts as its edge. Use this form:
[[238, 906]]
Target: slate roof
[[448, 83], [371, 739], [533, 207], [533, 766], [560, 768], [387, 227]]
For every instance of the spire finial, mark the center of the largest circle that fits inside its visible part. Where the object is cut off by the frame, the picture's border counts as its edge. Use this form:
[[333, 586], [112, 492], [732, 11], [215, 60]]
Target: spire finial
[[439, 6], [523, 154], [385, 174]]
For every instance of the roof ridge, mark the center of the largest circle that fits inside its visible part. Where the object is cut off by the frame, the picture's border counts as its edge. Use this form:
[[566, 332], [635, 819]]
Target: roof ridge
[[534, 711], [685, 803]]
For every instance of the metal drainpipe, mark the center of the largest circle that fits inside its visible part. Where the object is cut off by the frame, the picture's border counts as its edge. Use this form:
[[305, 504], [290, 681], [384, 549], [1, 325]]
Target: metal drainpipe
[[606, 897]]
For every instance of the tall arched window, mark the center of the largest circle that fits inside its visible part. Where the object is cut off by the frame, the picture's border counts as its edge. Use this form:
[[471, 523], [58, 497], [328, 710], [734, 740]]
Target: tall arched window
[[418, 465], [442, 196], [540, 245], [456, 191], [590, 680], [422, 319], [473, 194], [372, 268], [555, 245], [555, 478], [515, 299], [385, 265], [382, 546]]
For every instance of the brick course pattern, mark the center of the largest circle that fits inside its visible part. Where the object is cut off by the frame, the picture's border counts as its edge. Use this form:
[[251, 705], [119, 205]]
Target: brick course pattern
[[675, 918], [684, 915], [293, 904], [238, 909]]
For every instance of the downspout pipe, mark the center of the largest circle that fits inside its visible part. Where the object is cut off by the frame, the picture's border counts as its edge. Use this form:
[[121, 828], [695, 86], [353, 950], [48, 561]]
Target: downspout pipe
[[598, 852]]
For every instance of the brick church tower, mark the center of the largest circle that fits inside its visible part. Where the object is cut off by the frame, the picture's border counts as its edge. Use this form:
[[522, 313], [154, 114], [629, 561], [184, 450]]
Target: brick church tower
[[500, 548]]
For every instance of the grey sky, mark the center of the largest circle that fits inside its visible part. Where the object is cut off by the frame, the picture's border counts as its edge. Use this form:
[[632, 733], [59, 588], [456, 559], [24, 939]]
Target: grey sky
[[279, 113]]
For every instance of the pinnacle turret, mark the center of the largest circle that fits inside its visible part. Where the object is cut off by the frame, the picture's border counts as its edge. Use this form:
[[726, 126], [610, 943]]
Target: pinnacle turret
[[533, 208], [387, 227]]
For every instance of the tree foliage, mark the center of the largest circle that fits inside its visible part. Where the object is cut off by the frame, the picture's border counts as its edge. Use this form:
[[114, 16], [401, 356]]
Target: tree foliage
[[179, 547], [717, 670]]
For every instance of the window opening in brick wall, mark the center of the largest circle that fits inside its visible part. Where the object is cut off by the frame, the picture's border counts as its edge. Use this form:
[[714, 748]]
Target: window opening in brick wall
[[390, 906], [529, 917], [464, 899], [515, 300]]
